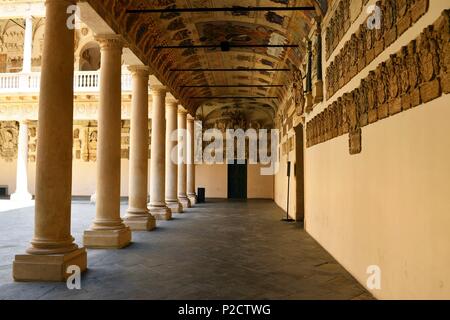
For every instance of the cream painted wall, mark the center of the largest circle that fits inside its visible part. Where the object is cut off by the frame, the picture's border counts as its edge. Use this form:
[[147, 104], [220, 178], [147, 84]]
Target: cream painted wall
[[211, 177], [8, 175], [259, 186], [83, 177], [281, 185], [281, 182], [390, 205], [215, 179]]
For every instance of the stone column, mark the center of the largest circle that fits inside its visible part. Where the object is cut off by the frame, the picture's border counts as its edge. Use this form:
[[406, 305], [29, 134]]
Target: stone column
[[22, 193], [28, 45], [52, 248], [138, 217], [158, 207], [108, 229], [190, 160], [172, 159], [182, 196]]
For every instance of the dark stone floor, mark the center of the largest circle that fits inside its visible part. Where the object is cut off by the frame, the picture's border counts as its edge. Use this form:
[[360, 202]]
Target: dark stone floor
[[217, 250]]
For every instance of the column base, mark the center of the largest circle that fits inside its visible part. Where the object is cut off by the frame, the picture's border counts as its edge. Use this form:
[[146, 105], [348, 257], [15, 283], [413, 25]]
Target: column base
[[144, 222], [161, 213], [107, 239], [33, 267], [185, 202], [174, 206], [21, 197], [192, 198]]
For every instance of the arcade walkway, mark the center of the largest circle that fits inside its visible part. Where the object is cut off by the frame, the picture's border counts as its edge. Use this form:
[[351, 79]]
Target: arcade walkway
[[218, 250]]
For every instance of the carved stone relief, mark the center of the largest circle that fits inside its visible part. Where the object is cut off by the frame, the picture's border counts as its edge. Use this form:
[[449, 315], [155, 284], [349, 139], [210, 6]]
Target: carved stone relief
[[297, 91], [395, 105], [355, 145], [382, 91], [89, 143], [338, 26], [85, 138], [372, 101], [366, 44], [9, 132], [32, 140], [416, 75], [390, 22], [429, 65], [442, 28]]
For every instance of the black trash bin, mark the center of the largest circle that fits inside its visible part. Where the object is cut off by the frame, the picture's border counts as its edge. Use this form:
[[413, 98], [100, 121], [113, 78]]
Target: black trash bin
[[201, 195]]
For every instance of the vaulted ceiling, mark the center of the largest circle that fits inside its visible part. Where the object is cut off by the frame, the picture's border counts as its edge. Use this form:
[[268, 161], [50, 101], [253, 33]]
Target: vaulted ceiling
[[146, 31]]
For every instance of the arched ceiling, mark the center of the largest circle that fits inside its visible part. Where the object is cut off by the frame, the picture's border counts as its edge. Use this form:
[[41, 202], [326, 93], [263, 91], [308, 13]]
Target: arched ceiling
[[145, 31]]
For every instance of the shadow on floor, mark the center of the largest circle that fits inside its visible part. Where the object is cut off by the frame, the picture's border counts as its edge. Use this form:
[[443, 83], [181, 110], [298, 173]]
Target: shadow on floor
[[216, 250]]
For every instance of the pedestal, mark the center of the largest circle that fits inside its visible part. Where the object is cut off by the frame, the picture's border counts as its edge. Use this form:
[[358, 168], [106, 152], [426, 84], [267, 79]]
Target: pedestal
[[147, 223], [107, 239], [174, 206], [192, 199], [30, 267], [161, 213], [185, 202], [139, 220]]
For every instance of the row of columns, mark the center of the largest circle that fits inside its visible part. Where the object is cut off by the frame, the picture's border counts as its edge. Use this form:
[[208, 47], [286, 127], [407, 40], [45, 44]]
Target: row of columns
[[52, 248]]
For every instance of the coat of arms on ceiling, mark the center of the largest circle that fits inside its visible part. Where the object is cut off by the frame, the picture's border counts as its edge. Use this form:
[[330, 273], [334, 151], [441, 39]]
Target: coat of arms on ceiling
[[236, 33]]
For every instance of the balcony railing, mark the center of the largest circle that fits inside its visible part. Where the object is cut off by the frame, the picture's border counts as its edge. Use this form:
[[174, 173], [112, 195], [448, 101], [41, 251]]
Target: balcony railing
[[84, 81]]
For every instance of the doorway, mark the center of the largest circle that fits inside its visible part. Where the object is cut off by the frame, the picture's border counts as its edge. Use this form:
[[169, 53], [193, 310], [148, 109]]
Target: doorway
[[237, 181], [299, 174]]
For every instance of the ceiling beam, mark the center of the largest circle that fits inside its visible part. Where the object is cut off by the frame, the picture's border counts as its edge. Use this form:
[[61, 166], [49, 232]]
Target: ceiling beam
[[223, 9]]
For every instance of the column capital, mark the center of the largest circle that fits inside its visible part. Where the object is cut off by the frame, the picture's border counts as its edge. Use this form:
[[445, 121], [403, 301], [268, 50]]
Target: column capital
[[24, 121], [182, 111], [190, 118], [139, 70], [172, 102], [158, 90], [110, 41]]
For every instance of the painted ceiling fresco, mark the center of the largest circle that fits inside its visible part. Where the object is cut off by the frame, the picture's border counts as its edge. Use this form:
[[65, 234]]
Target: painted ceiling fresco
[[144, 31]]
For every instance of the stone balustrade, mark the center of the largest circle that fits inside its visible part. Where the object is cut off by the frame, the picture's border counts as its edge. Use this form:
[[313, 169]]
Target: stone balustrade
[[84, 81]]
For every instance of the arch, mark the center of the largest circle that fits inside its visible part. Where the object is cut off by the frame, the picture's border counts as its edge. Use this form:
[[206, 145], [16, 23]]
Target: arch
[[89, 57]]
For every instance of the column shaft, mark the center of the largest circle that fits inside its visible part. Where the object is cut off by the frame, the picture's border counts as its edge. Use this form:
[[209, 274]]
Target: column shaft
[[158, 207], [108, 230], [138, 216], [171, 158], [28, 45], [21, 193], [190, 160], [52, 248], [182, 176]]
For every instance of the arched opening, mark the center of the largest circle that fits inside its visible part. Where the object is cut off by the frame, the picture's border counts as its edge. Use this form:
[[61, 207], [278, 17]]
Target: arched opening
[[90, 57]]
